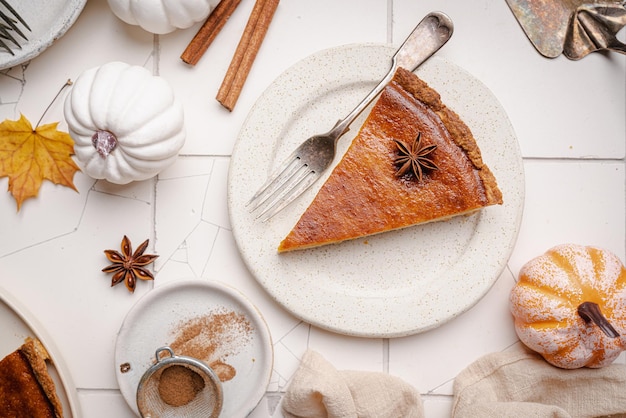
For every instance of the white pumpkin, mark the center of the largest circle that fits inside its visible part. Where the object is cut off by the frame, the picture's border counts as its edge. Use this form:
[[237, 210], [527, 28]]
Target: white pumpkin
[[162, 16], [126, 124]]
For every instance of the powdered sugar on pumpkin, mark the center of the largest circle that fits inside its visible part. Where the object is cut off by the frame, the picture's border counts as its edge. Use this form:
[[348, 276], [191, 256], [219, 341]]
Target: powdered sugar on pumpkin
[[546, 298]]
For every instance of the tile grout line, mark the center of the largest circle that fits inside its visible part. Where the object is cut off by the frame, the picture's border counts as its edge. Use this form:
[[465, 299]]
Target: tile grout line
[[156, 55], [390, 21], [386, 355], [156, 58], [582, 160]]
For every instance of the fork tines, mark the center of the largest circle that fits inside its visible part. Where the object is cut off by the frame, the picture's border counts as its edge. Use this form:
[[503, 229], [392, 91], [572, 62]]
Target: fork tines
[[287, 182], [9, 20]]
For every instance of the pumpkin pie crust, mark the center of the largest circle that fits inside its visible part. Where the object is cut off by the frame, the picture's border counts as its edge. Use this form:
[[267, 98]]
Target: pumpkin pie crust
[[364, 194], [26, 388]]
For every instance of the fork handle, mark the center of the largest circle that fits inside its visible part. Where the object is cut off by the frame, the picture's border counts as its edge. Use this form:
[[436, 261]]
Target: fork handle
[[430, 34]]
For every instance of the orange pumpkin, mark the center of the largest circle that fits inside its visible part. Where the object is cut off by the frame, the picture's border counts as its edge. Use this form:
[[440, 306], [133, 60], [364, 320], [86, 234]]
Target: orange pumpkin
[[569, 305]]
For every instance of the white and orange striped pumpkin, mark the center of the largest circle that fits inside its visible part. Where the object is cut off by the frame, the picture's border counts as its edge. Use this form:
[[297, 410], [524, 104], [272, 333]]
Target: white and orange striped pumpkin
[[569, 305]]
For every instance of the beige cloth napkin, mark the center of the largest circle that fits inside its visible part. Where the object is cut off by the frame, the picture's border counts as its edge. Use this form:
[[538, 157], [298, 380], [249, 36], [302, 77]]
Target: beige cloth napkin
[[518, 383], [318, 390]]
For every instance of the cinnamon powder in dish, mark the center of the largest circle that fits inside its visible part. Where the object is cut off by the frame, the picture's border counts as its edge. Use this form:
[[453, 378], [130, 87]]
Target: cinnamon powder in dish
[[213, 338]]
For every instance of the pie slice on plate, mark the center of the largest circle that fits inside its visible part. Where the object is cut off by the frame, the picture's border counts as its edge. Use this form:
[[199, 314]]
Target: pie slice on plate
[[26, 388], [413, 161]]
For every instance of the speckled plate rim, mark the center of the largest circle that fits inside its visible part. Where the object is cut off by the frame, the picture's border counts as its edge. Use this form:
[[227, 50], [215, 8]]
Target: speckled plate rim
[[145, 329], [394, 284], [19, 324], [48, 21]]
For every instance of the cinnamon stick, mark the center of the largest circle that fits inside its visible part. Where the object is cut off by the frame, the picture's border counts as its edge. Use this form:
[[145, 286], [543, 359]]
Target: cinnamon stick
[[244, 42], [208, 31], [246, 52]]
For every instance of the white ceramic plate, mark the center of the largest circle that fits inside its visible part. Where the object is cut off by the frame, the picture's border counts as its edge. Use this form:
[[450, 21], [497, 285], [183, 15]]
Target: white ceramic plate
[[392, 284], [154, 320], [16, 324], [48, 21]]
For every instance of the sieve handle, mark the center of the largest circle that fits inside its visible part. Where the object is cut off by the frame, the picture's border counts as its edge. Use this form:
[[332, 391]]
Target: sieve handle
[[160, 350]]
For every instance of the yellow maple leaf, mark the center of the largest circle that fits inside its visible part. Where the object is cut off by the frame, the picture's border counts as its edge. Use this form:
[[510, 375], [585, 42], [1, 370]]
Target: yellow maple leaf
[[28, 156]]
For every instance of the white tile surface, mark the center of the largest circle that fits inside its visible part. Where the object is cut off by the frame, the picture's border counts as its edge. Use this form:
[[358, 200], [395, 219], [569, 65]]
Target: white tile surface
[[559, 115], [571, 202], [569, 118], [299, 28]]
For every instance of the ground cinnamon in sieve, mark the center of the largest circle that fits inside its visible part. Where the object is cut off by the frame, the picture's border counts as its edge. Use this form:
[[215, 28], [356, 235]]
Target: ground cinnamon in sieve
[[179, 385], [212, 338]]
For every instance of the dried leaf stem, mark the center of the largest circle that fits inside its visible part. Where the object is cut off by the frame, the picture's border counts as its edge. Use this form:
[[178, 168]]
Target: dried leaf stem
[[67, 83]]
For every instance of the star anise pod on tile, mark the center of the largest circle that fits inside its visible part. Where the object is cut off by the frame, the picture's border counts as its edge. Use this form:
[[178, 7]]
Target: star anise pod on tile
[[414, 158], [128, 266]]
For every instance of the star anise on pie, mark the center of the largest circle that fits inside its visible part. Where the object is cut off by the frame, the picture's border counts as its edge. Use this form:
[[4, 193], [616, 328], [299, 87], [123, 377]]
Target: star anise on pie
[[414, 158], [128, 266]]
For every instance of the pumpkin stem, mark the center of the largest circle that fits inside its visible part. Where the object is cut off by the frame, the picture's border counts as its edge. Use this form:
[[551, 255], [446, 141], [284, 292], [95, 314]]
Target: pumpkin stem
[[104, 142], [590, 312]]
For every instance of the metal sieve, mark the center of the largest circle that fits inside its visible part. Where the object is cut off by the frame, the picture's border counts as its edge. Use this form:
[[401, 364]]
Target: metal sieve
[[179, 386]]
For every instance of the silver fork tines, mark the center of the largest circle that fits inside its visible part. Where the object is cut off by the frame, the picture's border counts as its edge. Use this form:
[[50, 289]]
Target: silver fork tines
[[9, 20], [289, 181], [307, 163]]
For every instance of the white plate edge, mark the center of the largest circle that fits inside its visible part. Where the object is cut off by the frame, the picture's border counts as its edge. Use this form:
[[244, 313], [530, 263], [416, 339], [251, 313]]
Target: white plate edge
[[519, 203], [39, 332]]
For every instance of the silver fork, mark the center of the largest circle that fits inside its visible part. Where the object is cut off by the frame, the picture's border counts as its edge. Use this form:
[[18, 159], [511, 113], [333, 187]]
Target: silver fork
[[8, 23], [307, 163]]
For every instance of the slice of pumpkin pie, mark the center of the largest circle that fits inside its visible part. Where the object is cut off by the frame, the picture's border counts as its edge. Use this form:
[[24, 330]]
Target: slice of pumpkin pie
[[413, 161], [26, 388]]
